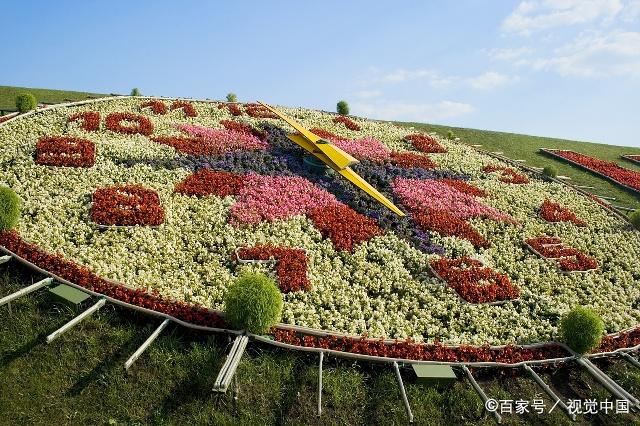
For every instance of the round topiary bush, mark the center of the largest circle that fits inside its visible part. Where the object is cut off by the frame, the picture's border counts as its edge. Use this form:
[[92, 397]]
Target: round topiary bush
[[231, 97], [550, 171], [253, 303], [26, 102], [582, 329], [634, 217], [136, 92], [9, 208], [343, 108]]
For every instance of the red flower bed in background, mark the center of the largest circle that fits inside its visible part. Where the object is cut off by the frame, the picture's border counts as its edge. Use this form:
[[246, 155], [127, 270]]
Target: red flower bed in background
[[627, 177], [90, 120], [83, 277], [126, 205], [187, 107], [631, 157], [422, 351], [447, 224], [239, 127], [508, 175], [211, 182], [65, 151], [473, 282], [348, 123], [142, 124], [158, 107], [569, 259], [410, 160], [554, 212], [464, 187], [258, 111], [234, 109], [291, 264], [325, 134], [343, 226], [425, 143]]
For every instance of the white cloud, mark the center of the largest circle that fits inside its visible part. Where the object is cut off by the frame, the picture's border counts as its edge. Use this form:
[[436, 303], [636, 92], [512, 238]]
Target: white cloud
[[509, 54], [368, 94], [396, 110], [490, 80], [537, 15], [631, 11], [401, 75], [595, 54]]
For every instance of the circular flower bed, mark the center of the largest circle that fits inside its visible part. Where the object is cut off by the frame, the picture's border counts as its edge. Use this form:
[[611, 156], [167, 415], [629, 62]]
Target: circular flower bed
[[205, 183]]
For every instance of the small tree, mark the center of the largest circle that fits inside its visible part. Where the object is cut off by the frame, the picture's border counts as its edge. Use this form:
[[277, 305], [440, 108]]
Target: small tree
[[9, 208], [550, 171], [253, 303], [231, 97], [26, 102], [342, 107], [450, 135], [634, 217], [136, 92], [582, 329]]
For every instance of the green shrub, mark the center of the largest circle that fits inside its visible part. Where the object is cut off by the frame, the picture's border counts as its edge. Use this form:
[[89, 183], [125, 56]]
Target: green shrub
[[253, 303], [231, 97], [26, 102], [450, 135], [9, 208], [634, 217], [136, 92], [343, 108], [550, 171], [582, 329]]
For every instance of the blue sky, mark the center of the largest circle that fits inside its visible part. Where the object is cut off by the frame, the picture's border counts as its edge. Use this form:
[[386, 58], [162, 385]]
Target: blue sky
[[563, 68]]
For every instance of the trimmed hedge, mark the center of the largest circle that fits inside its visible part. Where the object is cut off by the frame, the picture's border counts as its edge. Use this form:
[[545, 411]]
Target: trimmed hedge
[[342, 107], [10, 207], [582, 329], [253, 303], [550, 171], [26, 102]]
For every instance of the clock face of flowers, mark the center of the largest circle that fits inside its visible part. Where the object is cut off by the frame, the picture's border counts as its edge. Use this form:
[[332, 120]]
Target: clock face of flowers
[[178, 198]]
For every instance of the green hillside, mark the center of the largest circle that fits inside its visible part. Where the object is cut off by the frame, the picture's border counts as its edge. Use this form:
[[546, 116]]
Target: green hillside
[[8, 96]]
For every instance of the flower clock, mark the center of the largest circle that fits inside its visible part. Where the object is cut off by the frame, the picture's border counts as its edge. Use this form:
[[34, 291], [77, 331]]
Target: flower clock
[[164, 203]]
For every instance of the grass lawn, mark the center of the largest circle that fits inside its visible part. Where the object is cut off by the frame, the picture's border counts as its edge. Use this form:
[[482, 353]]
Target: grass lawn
[[523, 147], [80, 379], [8, 96]]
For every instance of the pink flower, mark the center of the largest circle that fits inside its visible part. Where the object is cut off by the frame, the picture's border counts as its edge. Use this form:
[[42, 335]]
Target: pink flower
[[277, 197], [364, 149], [220, 141], [422, 195]]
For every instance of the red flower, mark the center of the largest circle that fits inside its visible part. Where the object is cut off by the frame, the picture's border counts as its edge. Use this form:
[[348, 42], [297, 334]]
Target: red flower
[[425, 143], [233, 108], [142, 124], [343, 226], [90, 120], [508, 175], [239, 127], [66, 151], [554, 212], [348, 123], [187, 107], [626, 177], [447, 224], [158, 107], [410, 160], [126, 205], [474, 283], [258, 111], [464, 187], [211, 182], [291, 264], [325, 134], [569, 259]]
